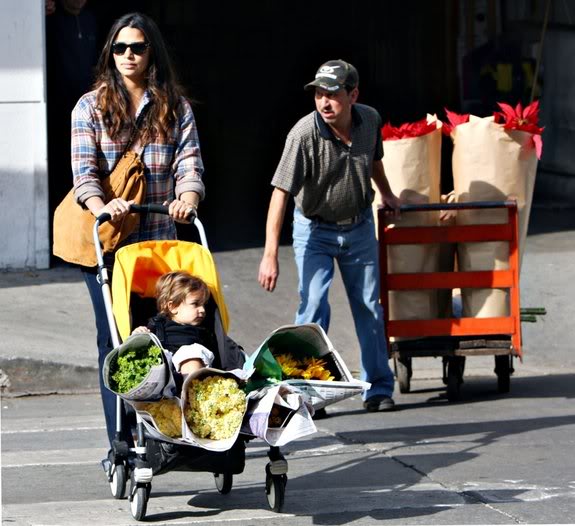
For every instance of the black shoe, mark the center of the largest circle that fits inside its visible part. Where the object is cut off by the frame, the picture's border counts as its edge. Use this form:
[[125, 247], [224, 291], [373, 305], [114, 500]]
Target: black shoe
[[320, 414], [107, 463], [379, 403]]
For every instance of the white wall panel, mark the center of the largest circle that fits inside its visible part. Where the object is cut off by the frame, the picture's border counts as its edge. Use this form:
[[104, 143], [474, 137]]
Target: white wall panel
[[22, 56], [24, 232]]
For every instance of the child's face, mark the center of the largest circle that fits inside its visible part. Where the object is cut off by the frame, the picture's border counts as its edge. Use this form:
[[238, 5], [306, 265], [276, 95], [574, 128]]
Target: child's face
[[191, 311]]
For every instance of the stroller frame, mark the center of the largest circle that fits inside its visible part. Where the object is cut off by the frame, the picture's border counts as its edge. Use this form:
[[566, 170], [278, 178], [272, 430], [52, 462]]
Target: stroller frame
[[125, 462]]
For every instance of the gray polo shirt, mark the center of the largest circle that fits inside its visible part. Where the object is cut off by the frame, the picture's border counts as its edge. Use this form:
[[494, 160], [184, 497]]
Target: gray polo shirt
[[330, 180]]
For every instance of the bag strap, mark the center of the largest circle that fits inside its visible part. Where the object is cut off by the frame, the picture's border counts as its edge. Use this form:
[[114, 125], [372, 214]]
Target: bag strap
[[133, 134]]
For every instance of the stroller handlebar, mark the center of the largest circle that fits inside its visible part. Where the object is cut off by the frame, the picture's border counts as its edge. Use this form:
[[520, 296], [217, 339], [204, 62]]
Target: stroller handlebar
[[149, 209], [145, 209]]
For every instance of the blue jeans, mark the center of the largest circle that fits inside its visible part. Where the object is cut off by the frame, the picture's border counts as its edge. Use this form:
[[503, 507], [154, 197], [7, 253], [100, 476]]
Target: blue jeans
[[316, 246], [104, 342]]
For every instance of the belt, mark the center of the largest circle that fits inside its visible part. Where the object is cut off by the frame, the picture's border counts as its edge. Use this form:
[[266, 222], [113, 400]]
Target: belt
[[342, 222]]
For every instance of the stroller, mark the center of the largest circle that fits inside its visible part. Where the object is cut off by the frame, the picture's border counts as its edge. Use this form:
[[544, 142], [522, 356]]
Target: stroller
[[136, 270]]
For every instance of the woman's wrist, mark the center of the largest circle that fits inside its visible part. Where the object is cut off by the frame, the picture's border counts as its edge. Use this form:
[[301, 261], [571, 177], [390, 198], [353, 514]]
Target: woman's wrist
[[190, 198]]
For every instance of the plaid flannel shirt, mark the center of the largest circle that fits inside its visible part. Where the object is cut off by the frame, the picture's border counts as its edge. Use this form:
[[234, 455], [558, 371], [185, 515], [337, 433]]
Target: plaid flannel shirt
[[171, 168]]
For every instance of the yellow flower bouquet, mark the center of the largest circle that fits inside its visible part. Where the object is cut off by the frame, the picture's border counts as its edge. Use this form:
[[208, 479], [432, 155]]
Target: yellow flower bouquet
[[308, 368], [214, 406], [166, 415]]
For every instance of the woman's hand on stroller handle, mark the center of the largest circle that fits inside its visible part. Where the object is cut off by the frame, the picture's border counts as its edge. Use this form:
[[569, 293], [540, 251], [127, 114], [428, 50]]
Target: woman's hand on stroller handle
[[114, 210], [181, 211], [187, 216]]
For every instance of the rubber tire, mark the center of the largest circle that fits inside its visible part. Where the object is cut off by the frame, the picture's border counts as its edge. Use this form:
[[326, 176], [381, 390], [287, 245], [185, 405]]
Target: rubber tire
[[403, 374], [118, 482], [503, 372], [454, 377], [139, 503], [275, 491], [224, 482]]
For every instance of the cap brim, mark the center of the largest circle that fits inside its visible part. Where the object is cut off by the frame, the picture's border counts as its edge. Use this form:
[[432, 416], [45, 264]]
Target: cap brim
[[323, 83]]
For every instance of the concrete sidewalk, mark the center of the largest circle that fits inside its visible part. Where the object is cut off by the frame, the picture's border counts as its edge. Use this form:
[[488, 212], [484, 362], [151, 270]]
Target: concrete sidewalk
[[49, 339]]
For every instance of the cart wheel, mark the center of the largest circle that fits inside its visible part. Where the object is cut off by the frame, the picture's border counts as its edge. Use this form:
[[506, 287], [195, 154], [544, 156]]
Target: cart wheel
[[403, 374], [454, 378], [139, 501], [224, 482], [503, 371], [118, 478], [275, 491]]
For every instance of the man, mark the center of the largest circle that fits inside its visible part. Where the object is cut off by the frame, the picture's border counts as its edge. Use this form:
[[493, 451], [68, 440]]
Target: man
[[329, 159]]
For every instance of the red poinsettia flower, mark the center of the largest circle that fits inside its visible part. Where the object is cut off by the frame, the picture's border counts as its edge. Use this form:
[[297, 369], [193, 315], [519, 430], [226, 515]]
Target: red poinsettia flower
[[524, 119], [453, 120], [407, 130], [518, 118]]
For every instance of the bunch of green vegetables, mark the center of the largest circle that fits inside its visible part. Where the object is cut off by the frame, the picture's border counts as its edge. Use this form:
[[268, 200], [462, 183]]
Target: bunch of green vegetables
[[132, 367]]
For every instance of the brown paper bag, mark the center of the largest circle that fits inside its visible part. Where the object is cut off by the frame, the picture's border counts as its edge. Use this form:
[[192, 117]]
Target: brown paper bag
[[491, 164], [412, 166]]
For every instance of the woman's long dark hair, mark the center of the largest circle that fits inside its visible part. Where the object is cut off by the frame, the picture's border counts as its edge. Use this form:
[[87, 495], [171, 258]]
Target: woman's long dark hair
[[113, 99]]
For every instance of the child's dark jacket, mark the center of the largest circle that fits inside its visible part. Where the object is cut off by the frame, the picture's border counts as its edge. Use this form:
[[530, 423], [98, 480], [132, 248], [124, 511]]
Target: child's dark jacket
[[173, 335]]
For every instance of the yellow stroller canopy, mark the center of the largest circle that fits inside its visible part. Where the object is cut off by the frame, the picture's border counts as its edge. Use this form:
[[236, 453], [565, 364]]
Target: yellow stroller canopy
[[137, 268]]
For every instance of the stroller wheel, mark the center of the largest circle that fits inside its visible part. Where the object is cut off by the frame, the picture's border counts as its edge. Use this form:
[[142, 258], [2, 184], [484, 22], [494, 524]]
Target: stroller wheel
[[275, 491], [224, 482], [139, 501], [117, 477]]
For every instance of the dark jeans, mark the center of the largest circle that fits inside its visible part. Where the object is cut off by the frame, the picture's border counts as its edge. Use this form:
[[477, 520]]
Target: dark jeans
[[104, 341]]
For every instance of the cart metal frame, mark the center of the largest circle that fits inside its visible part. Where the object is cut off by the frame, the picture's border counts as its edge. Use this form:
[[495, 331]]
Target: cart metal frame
[[453, 338]]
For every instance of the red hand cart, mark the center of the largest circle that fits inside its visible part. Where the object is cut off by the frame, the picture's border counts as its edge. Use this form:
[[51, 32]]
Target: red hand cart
[[453, 338]]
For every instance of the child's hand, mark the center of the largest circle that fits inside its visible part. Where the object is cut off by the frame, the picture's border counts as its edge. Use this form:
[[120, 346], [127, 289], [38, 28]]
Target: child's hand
[[191, 366], [141, 330]]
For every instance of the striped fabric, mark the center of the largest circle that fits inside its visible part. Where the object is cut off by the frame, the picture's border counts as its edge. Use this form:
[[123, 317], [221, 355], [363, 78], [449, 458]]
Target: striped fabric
[[171, 168]]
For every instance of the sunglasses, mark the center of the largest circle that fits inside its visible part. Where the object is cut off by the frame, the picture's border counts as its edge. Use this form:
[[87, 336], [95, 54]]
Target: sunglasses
[[138, 48]]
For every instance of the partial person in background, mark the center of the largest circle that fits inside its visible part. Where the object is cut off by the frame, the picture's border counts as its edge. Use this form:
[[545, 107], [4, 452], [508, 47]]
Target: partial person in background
[[71, 56], [328, 162], [134, 77]]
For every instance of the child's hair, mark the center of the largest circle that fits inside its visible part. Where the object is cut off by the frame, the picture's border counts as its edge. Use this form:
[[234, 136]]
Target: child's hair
[[175, 286]]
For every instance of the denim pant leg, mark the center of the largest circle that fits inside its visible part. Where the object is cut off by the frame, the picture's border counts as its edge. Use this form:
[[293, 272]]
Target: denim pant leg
[[104, 342], [359, 266], [315, 268]]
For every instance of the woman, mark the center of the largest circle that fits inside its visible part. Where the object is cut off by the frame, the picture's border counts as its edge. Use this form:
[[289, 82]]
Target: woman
[[134, 75]]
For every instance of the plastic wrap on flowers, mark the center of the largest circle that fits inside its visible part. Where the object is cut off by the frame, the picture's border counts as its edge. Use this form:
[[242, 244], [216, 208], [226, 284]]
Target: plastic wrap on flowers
[[278, 414], [493, 161], [214, 404], [139, 369], [412, 161], [303, 343]]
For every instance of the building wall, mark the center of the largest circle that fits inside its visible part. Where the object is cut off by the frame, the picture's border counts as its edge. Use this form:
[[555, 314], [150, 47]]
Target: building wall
[[24, 230]]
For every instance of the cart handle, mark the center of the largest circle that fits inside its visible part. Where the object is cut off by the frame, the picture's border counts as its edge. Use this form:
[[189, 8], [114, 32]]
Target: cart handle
[[471, 205]]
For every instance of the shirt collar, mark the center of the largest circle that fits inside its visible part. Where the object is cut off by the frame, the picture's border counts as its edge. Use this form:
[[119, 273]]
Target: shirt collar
[[146, 99], [326, 132]]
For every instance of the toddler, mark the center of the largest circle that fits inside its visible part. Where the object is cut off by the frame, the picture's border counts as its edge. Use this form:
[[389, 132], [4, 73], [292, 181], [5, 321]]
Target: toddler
[[181, 300]]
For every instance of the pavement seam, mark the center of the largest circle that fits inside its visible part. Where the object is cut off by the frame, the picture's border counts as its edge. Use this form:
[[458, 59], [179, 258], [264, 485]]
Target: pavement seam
[[466, 496]]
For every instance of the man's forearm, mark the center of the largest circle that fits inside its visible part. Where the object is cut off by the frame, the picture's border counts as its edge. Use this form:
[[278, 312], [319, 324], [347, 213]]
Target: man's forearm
[[380, 179], [276, 213]]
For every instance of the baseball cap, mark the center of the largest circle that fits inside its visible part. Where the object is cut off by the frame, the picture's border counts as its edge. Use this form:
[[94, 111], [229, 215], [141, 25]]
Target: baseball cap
[[334, 75]]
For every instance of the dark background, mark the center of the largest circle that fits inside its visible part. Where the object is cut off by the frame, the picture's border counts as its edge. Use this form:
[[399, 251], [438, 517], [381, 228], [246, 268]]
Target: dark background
[[245, 65]]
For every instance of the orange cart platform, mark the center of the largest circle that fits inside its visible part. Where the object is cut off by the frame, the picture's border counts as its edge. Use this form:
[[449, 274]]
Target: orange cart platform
[[453, 338]]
